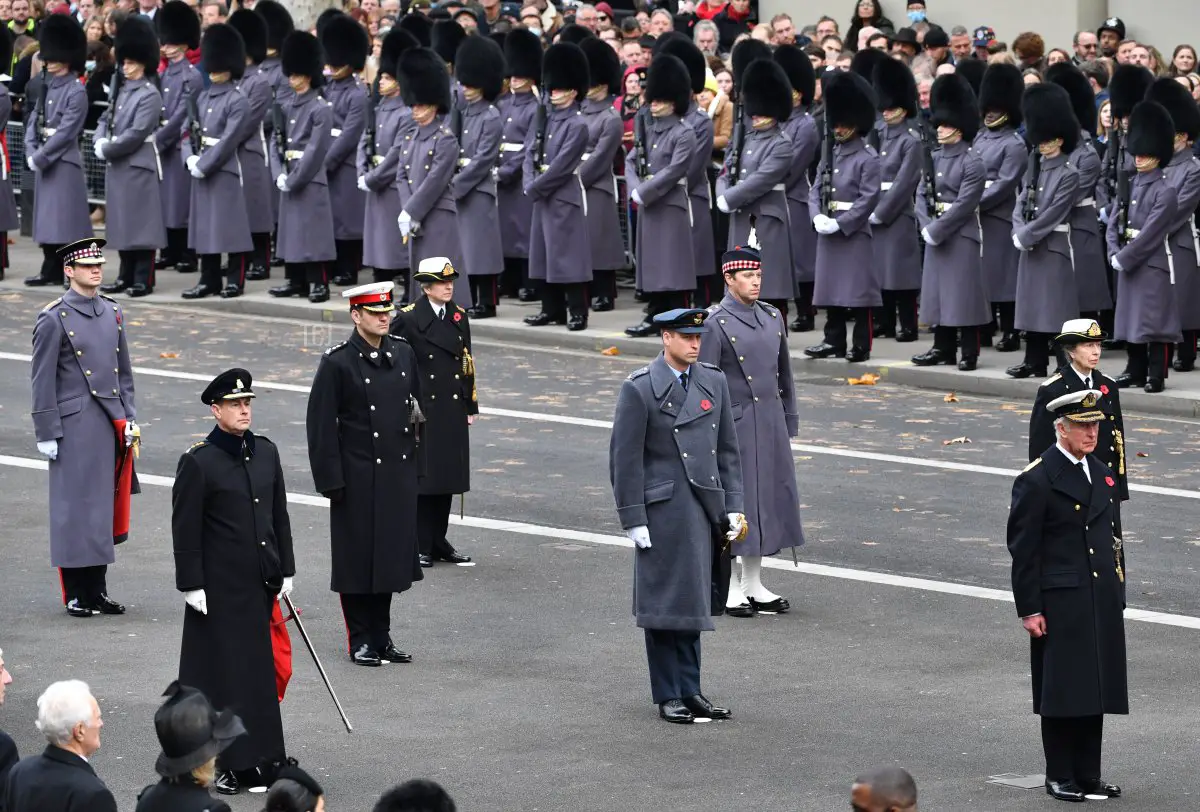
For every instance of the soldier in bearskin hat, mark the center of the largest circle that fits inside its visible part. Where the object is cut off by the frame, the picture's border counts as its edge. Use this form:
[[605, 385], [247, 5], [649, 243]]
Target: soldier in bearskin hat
[[518, 108], [953, 294], [279, 25], [257, 184], [445, 37], [178, 33], [305, 240], [60, 213], [133, 206], [560, 253], [894, 225], [479, 68], [846, 282], [420, 26], [9, 218], [1128, 87], [1004, 155]]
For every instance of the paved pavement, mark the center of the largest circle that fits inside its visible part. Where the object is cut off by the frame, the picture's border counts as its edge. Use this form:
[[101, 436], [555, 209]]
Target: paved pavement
[[529, 688]]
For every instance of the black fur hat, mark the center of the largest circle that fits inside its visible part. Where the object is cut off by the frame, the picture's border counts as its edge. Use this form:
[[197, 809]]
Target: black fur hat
[[564, 67], [177, 24], [1179, 103], [604, 67], [1128, 87], [423, 78], [345, 43], [301, 56], [523, 55], [62, 40], [668, 80], [973, 71], [574, 34], [952, 103], [1001, 91], [1083, 100], [1151, 132], [1046, 108], [253, 29], [480, 63], [743, 54], [278, 20], [222, 50], [395, 43], [6, 45], [895, 86], [680, 45], [498, 37], [323, 20], [420, 26], [766, 90], [446, 37], [849, 101], [866, 60], [137, 41], [799, 71]]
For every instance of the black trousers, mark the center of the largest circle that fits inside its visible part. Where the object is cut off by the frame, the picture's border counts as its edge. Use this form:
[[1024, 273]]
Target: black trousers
[[1007, 316], [85, 584], [516, 275], [349, 258], [433, 519], [709, 290], [835, 327], [604, 283], [177, 247], [558, 299], [950, 339], [674, 660], [137, 267], [387, 275], [898, 306], [1037, 349], [3, 253], [485, 290], [662, 301], [305, 273], [1149, 360], [804, 305], [1186, 350], [1072, 746], [261, 255], [52, 264], [210, 270], [368, 620]]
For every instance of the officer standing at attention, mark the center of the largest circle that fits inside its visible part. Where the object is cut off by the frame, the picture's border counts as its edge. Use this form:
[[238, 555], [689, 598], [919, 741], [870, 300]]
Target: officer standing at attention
[[677, 480], [518, 110], [439, 332], [279, 25], [747, 341], [60, 209], [1068, 578], [83, 418], [363, 418], [605, 132], [801, 129], [132, 179]]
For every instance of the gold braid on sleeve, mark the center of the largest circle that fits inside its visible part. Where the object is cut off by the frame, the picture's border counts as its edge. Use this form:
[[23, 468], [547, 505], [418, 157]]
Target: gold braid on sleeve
[[468, 368], [1120, 442]]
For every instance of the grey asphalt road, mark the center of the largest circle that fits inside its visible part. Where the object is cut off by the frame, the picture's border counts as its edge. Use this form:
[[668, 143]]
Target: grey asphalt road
[[529, 688]]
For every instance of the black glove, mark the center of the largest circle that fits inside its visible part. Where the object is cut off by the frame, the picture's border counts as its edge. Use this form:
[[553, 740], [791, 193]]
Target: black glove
[[336, 495]]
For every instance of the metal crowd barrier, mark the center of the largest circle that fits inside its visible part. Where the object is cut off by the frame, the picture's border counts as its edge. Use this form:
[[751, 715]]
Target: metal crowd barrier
[[93, 167]]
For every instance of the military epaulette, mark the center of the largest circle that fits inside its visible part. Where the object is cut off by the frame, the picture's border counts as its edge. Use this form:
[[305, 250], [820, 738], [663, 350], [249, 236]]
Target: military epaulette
[[769, 308], [408, 308], [639, 372], [714, 308], [1031, 466], [1056, 376], [53, 304], [870, 149], [460, 308], [109, 298], [335, 347], [710, 366], [194, 446]]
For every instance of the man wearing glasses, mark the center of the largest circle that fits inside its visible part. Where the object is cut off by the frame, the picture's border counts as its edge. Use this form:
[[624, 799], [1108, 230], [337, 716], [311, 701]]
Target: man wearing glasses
[[1085, 47]]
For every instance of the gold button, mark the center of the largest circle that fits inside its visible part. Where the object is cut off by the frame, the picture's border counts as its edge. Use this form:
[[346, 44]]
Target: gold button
[[756, 400], [1076, 507], [368, 380], [377, 462], [94, 392], [456, 376], [749, 378], [114, 391], [264, 544], [71, 332], [454, 396], [375, 434], [373, 409], [87, 372], [685, 455], [1091, 551], [256, 500], [79, 352], [741, 358], [1095, 575]]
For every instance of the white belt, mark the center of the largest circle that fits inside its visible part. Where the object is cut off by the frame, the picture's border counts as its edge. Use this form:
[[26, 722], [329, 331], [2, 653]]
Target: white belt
[[209, 141], [841, 206], [1170, 259], [335, 132], [511, 146], [885, 185], [987, 184], [293, 155], [586, 155], [1087, 201], [1062, 228], [157, 160], [779, 187], [3, 163]]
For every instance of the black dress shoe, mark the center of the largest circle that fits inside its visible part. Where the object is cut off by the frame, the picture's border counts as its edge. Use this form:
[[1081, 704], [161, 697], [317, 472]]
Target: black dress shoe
[[906, 336], [138, 290], [777, 606], [394, 655], [646, 328], [933, 358], [39, 281], [879, 331], [856, 355], [481, 312], [231, 291], [1154, 385], [542, 318], [1125, 381], [1180, 365], [673, 710], [801, 324], [289, 289], [1010, 343], [822, 350], [701, 708], [115, 287], [452, 556], [201, 291], [77, 608], [226, 783], [277, 262], [365, 655], [164, 261], [1100, 787], [968, 364], [318, 294], [257, 273], [186, 266], [1064, 790], [1025, 371], [602, 304], [425, 560], [527, 295], [343, 280], [576, 322], [741, 610], [107, 606]]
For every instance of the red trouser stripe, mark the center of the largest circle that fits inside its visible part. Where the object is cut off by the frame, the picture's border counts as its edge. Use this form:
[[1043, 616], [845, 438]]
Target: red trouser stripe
[[62, 585], [123, 484], [281, 650]]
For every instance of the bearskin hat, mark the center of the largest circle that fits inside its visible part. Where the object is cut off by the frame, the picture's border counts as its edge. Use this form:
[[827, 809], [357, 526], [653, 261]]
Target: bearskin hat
[[423, 78], [523, 55], [668, 80], [446, 37], [574, 34], [177, 24], [604, 67], [62, 40], [301, 56], [480, 63], [972, 70], [680, 45], [278, 20], [895, 86], [743, 54], [1151, 132], [1001, 91], [395, 43], [345, 43], [1046, 108], [952, 103], [222, 50], [849, 101], [1128, 87], [323, 20], [498, 37], [799, 71], [253, 29], [865, 62], [565, 68], [766, 90], [1083, 100], [6, 45], [1179, 103], [420, 26], [137, 41]]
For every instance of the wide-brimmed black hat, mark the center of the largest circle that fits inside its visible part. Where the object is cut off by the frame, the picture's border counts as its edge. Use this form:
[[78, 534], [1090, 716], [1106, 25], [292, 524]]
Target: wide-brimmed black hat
[[222, 50], [253, 29], [1179, 103], [1001, 92], [279, 22], [177, 24], [604, 66], [895, 87], [479, 63], [1151, 132], [1083, 100], [799, 70], [301, 56], [136, 41], [423, 79], [232, 384], [1048, 115], [191, 731], [952, 103], [345, 43], [62, 40], [906, 36]]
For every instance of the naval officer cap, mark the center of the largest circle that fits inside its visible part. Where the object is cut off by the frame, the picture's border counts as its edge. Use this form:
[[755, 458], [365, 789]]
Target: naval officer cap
[[83, 252], [375, 297], [1078, 407], [435, 269], [1077, 331], [682, 320], [232, 384]]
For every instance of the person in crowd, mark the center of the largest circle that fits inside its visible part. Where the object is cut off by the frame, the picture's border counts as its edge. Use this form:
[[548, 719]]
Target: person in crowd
[[888, 789], [1110, 34], [93, 27], [1085, 45], [1029, 49], [783, 30], [867, 14], [1183, 60], [295, 790], [736, 18], [418, 795], [707, 37]]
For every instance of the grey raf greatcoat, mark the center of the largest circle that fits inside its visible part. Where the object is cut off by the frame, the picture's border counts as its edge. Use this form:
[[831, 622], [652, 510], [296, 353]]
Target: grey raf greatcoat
[[1046, 294], [674, 467], [559, 249], [60, 209], [348, 104], [1004, 157], [517, 113], [596, 173], [802, 130], [895, 237], [218, 223], [258, 186], [1184, 174], [664, 245], [1087, 245], [846, 275], [474, 189], [305, 220], [382, 247], [179, 81], [132, 177]]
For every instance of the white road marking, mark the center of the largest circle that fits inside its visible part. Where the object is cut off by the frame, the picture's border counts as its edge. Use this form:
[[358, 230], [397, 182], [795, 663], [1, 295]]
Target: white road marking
[[805, 568]]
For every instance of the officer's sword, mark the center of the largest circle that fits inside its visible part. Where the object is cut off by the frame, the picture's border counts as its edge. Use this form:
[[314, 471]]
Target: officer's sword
[[320, 669]]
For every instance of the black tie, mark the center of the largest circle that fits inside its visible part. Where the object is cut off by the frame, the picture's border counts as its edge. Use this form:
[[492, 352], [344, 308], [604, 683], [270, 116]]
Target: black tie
[[1087, 382], [441, 314], [683, 380], [1083, 470]]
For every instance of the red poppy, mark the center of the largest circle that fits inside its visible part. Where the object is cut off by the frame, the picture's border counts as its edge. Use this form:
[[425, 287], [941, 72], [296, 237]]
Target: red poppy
[[1104, 388], [706, 404], [458, 316], [1109, 480]]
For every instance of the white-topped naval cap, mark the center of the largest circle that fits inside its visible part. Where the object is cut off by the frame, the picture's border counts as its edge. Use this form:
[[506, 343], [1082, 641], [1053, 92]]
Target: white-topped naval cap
[[376, 297]]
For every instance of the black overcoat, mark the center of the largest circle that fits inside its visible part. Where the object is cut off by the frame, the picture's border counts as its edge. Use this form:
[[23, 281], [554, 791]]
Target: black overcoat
[[1110, 447], [1068, 566], [363, 453], [166, 796], [443, 347], [56, 780], [233, 539]]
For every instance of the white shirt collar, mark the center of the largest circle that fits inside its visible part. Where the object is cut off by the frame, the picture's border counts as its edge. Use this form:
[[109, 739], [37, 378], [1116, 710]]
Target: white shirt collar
[[1075, 461], [1084, 376]]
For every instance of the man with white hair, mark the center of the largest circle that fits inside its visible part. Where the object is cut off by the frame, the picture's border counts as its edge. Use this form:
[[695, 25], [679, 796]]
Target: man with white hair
[[60, 779], [707, 37]]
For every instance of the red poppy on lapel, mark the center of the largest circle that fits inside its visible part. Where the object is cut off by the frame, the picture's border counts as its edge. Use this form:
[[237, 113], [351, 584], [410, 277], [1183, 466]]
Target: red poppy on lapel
[[1104, 388], [458, 316], [1109, 480], [706, 404]]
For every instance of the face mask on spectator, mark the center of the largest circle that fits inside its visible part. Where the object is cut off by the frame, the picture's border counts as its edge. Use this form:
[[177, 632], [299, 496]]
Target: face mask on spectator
[[89, 66], [916, 16]]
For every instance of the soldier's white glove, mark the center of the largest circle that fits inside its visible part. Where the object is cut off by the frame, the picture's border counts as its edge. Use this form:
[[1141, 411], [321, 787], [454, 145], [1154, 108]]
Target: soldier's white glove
[[48, 449], [281, 182], [640, 536], [131, 431], [405, 223], [193, 167], [362, 183], [286, 589], [29, 163], [636, 197], [925, 236], [1116, 265], [737, 524], [722, 204], [824, 224], [874, 220], [1017, 243], [197, 600], [98, 148]]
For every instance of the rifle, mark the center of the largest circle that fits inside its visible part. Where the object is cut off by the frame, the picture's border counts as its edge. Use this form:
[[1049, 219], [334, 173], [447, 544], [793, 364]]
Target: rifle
[[1029, 212], [114, 90], [456, 126], [1122, 183], [927, 172], [193, 125], [43, 91], [737, 140], [639, 143], [279, 125], [542, 122], [827, 168], [372, 123]]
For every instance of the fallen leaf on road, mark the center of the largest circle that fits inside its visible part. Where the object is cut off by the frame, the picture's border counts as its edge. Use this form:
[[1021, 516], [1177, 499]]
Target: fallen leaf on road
[[610, 351], [868, 379], [1142, 454], [951, 398], [870, 543], [168, 355], [957, 441], [918, 420]]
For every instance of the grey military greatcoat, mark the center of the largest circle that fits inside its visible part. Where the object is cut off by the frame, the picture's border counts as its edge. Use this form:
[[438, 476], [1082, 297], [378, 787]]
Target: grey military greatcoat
[[1147, 306], [474, 189], [348, 104], [604, 227], [218, 223], [382, 247], [846, 275], [759, 192], [179, 81], [559, 249], [82, 381], [1046, 294], [674, 467], [1004, 157], [1087, 246], [801, 130], [60, 210], [305, 220], [132, 177], [8, 202], [749, 344], [517, 114], [1184, 174], [953, 292], [258, 186], [664, 245], [895, 236], [272, 70], [703, 243]]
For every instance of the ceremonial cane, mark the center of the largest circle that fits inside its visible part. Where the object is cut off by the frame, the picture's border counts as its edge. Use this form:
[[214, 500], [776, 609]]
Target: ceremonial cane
[[320, 669]]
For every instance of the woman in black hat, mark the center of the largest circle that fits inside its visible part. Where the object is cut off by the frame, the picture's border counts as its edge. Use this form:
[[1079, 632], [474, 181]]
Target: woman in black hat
[[192, 733]]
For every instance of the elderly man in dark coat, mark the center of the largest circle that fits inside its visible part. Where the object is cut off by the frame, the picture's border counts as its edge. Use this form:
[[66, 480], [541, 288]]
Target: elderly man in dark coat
[[894, 223], [257, 184], [363, 418], [132, 176], [1068, 579], [1004, 155], [1147, 317], [60, 212], [233, 563], [677, 480], [178, 32], [656, 170], [518, 109], [747, 340], [605, 131], [1041, 232], [847, 283], [84, 420], [953, 293]]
